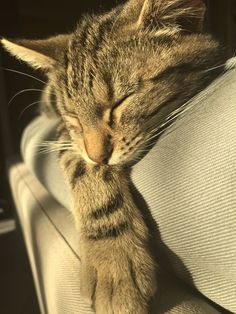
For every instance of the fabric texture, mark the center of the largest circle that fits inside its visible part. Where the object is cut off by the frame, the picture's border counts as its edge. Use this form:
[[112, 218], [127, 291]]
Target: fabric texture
[[187, 182], [53, 248]]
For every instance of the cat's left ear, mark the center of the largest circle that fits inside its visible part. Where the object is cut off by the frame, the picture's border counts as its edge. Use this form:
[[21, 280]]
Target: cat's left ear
[[42, 54], [187, 14]]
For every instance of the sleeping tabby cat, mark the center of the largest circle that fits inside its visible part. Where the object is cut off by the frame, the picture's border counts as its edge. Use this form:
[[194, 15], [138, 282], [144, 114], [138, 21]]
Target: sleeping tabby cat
[[115, 80]]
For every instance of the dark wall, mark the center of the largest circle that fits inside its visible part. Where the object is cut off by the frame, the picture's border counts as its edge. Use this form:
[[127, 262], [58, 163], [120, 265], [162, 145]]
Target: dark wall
[[222, 22]]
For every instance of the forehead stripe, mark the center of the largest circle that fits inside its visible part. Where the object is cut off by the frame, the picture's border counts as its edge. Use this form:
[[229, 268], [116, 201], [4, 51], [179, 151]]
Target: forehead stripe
[[181, 68]]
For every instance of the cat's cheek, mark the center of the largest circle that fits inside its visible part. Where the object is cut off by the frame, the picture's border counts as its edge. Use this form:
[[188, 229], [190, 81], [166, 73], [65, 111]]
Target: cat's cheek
[[125, 156], [78, 141], [116, 158]]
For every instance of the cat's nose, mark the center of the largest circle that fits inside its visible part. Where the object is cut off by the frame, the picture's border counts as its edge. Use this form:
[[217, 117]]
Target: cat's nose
[[99, 155], [103, 157], [99, 146]]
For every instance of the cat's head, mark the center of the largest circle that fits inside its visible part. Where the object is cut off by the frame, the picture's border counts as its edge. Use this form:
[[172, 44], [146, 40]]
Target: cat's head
[[120, 74]]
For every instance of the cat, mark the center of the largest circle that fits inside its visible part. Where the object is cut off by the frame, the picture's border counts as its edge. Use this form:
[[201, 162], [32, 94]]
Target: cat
[[111, 83]]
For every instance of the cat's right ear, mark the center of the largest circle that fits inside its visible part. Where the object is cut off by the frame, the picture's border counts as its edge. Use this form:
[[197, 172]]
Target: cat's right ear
[[188, 15], [42, 54]]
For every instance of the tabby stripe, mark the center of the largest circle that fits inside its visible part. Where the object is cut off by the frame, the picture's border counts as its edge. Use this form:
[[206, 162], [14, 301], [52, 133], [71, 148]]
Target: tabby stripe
[[124, 119], [66, 60], [114, 53], [60, 131], [179, 69], [90, 80], [84, 39], [97, 44], [110, 89], [112, 206], [84, 32], [65, 77], [80, 42], [68, 163], [79, 171], [62, 152], [163, 105], [107, 175], [99, 37], [163, 39], [109, 232]]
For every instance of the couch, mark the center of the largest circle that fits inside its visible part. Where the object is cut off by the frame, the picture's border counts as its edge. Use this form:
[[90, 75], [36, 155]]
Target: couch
[[187, 184]]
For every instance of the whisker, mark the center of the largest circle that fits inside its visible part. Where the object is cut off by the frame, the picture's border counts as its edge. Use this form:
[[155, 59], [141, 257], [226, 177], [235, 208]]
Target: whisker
[[28, 90], [24, 91], [25, 74], [35, 78], [197, 98], [24, 110], [214, 68], [231, 63], [54, 142], [50, 151], [34, 103], [176, 113], [55, 149], [54, 146], [184, 107]]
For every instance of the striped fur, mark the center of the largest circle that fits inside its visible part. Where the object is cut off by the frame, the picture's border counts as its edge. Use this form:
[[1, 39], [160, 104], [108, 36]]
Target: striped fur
[[115, 82], [112, 232]]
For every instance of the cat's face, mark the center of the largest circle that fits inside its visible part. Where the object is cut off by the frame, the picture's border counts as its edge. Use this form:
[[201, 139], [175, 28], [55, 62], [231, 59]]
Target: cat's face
[[121, 84], [120, 74]]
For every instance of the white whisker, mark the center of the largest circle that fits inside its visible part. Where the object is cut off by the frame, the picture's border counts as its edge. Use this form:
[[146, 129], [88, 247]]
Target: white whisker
[[24, 110], [35, 78], [54, 149], [24, 91], [25, 74], [214, 68]]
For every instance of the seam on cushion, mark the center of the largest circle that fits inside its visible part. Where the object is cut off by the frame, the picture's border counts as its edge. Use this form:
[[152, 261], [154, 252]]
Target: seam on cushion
[[46, 214]]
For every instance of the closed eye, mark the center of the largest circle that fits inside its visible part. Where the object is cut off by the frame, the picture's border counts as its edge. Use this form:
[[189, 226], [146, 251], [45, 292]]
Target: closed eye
[[115, 106], [165, 103], [120, 101], [74, 122]]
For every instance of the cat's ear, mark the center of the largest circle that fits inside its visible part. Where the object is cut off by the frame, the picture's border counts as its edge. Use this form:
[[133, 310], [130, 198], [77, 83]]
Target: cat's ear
[[42, 54], [187, 14]]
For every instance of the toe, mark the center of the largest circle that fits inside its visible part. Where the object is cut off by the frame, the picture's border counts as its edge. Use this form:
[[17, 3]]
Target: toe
[[127, 299], [103, 295], [88, 282]]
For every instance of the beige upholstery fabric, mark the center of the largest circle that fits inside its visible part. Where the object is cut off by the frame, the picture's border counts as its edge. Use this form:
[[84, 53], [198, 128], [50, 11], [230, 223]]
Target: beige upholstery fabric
[[190, 188], [53, 248], [188, 182]]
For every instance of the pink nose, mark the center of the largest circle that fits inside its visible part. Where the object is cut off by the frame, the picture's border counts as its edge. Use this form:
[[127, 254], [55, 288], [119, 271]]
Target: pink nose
[[98, 146]]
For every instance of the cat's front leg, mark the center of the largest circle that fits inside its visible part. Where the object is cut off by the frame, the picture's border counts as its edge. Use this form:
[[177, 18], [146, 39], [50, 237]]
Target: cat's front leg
[[118, 272], [117, 269]]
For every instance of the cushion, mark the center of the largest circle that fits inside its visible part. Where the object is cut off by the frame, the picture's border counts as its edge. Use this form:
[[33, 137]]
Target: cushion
[[187, 182]]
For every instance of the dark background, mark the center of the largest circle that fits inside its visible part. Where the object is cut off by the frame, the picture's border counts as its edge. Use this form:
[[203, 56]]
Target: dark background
[[38, 19]]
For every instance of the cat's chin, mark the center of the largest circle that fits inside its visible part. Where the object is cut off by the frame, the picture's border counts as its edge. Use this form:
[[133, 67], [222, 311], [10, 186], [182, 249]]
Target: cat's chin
[[120, 162], [114, 161]]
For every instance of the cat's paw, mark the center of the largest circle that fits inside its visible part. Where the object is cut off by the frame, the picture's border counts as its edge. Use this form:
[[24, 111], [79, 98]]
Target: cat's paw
[[119, 284]]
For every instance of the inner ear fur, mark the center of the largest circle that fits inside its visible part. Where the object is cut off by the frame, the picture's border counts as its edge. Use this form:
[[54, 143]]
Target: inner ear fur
[[40, 53], [186, 14]]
